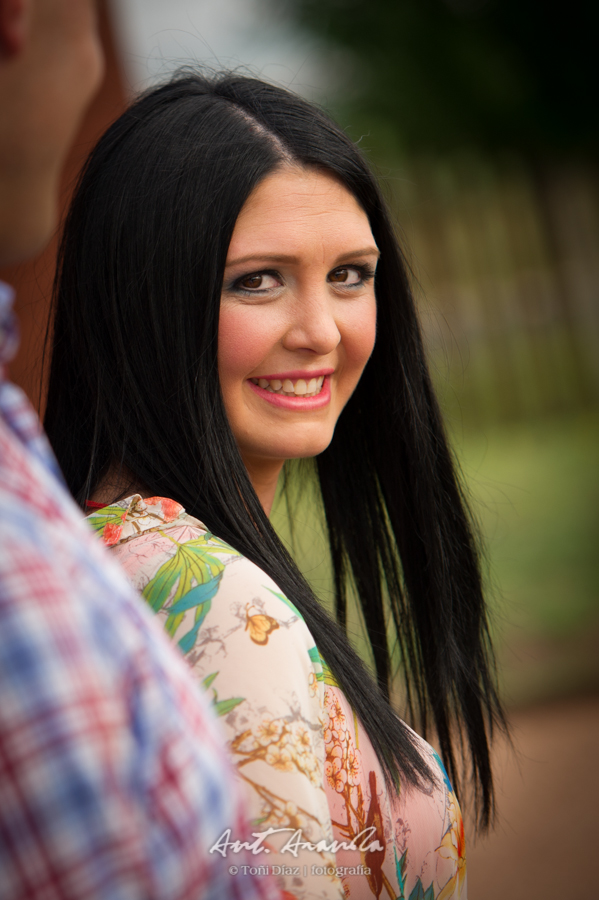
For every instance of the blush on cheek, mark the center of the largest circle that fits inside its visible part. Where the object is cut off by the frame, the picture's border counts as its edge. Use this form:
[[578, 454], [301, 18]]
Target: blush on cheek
[[234, 343], [365, 336]]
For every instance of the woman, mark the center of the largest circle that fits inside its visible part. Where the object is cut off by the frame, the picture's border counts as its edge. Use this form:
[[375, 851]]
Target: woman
[[216, 314]]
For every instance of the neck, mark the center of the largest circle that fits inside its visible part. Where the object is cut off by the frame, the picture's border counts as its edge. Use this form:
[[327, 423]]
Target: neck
[[115, 485], [264, 477]]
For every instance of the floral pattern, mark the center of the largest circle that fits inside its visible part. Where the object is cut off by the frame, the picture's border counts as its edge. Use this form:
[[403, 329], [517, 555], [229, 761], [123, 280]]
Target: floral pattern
[[314, 789]]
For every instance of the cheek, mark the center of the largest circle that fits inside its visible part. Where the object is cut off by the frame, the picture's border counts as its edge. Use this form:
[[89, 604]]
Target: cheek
[[360, 338], [242, 344]]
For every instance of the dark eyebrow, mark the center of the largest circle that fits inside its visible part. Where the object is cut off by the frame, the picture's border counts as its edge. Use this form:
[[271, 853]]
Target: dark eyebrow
[[365, 251], [259, 257], [285, 258]]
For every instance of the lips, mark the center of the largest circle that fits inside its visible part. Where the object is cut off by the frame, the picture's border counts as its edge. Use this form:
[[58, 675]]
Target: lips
[[294, 393], [300, 387]]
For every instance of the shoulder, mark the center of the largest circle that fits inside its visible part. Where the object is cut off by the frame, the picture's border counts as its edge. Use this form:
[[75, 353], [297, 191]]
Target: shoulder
[[165, 552], [250, 648], [186, 573], [180, 567]]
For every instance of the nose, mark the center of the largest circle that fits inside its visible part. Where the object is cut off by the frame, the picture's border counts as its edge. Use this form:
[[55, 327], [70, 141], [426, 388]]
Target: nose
[[313, 326]]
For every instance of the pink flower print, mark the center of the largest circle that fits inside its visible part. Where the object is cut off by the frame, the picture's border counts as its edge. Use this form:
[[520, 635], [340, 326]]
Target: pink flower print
[[332, 705], [112, 534], [304, 740], [353, 767], [334, 767], [339, 777], [280, 758], [170, 509], [339, 722], [336, 751], [267, 732]]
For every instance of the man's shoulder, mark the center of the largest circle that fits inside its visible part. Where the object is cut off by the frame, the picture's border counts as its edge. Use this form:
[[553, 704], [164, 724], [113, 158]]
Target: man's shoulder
[[52, 571], [29, 490], [67, 612]]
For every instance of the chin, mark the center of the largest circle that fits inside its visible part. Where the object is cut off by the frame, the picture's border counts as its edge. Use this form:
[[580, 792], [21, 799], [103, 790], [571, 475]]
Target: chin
[[305, 451], [286, 447]]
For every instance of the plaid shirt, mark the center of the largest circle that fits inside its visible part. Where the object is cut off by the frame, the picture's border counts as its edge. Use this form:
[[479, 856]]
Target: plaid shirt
[[113, 779]]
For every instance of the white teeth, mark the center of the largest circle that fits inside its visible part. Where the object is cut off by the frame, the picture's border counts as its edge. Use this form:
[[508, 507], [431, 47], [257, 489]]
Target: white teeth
[[301, 388]]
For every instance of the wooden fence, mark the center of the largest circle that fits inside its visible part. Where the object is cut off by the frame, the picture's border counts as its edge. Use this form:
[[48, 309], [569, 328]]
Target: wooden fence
[[506, 268]]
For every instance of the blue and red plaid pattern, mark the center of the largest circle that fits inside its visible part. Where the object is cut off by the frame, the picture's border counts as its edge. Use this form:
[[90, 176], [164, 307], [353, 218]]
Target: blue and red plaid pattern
[[113, 777]]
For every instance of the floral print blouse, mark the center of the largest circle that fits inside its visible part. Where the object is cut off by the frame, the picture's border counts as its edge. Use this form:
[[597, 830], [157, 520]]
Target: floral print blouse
[[324, 822]]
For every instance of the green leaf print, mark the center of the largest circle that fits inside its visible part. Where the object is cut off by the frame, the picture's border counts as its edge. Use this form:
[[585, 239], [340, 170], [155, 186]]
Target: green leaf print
[[418, 892], [223, 707], [401, 866], [317, 662], [204, 594], [191, 562], [189, 579], [109, 515], [208, 680], [199, 594], [217, 545]]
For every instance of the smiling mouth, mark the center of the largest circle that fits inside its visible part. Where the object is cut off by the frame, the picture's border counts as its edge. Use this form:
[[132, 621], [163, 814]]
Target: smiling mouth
[[288, 388]]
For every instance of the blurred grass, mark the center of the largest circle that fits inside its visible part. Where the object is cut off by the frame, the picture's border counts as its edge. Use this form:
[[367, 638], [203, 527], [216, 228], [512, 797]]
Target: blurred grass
[[536, 491], [534, 488]]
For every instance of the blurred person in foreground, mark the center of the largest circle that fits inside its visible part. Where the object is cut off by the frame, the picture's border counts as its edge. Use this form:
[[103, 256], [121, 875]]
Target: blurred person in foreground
[[112, 775]]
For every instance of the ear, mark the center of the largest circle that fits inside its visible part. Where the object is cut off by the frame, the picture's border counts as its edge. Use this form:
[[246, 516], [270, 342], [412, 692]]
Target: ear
[[14, 22]]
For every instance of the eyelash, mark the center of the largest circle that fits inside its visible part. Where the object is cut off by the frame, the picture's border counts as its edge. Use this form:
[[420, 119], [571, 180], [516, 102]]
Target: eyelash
[[365, 271], [236, 285]]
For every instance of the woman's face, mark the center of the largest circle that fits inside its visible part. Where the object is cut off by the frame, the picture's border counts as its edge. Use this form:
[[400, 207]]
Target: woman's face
[[298, 315]]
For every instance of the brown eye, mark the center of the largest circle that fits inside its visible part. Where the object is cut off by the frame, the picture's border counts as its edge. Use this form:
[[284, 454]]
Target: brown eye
[[252, 282], [345, 275], [258, 282]]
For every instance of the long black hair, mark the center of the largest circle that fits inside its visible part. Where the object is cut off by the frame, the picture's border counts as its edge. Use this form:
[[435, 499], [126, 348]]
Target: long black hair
[[134, 384]]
